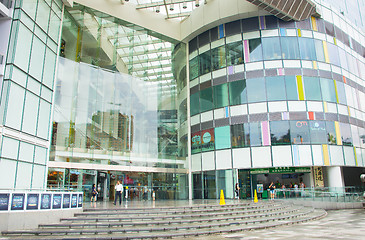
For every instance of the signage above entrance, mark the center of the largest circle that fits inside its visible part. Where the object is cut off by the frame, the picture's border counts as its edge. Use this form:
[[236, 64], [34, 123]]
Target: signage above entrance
[[281, 170]]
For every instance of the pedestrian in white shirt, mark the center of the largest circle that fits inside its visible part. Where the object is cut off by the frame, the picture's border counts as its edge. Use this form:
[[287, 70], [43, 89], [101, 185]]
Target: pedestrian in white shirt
[[118, 192]]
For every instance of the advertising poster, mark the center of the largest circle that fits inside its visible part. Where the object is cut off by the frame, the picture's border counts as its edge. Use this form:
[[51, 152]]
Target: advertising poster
[[32, 201], [260, 188], [195, 142], [80, 200], [17, 202], [66, 201], [207, 140], [4, 201], [73, 200], [57, 200], [46, 201]]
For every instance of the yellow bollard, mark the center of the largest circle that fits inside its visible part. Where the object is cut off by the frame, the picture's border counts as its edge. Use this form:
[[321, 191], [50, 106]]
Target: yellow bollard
[[255, 197], [222, 201]]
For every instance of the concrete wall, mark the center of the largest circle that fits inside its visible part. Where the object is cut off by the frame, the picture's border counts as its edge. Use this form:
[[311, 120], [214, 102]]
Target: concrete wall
[[31, 219]]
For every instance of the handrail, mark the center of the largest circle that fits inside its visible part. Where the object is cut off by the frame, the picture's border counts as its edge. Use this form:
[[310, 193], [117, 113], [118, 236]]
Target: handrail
[[346, 194]]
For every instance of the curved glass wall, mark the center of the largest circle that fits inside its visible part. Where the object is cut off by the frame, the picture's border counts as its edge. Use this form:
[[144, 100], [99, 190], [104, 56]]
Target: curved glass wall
[[265, 93]]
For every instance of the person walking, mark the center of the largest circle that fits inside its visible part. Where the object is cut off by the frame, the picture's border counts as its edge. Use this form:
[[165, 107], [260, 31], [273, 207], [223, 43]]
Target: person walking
[[118, 192], [94, 193], [237, 190]]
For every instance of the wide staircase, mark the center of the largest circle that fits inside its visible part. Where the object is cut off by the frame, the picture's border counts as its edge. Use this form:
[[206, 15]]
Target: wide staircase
[[171, 222]]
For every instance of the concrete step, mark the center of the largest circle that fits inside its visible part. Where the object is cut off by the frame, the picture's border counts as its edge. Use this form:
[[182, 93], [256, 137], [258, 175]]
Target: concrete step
[[183, 226]]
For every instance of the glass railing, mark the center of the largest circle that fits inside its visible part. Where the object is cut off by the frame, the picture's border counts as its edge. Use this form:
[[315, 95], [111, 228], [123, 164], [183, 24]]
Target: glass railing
[[328, 194], [7, 3]]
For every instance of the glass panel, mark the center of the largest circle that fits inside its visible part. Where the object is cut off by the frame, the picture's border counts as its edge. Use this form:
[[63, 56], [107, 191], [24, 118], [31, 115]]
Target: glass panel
[[15, 106], [280, 133], [319, 50], [222, 138], [29, 7], [43, 15], [255, 134], [256, 90], [209, 185], [225, 182], [237, 92], [26, 152], [328, 90], [194, 68], [24, 175], [240, 135], [271, 48], [37, 58], [197, 186], [299, 132], [204, 63], [54, 27], [10, 148], [331, 133], [43, 119], [333, 54], [234, 53], [289, 47], [40, 156], [307, 48], [341, 92], [343, 58], [291, 88], [220, 95], [312, 88], [346, 134], [255, 49], [318, 132], [30, 113], [275, 87], [8, 169], [206, 99], [194, 104], [218, 57], [22, 52]]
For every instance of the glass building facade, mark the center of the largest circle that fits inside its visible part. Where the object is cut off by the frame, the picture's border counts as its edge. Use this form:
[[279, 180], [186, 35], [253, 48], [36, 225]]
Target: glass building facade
[[183, 109]]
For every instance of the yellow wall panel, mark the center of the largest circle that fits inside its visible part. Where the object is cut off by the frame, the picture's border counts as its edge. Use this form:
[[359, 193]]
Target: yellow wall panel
[[338, 133], [326, 157], [300, 87]]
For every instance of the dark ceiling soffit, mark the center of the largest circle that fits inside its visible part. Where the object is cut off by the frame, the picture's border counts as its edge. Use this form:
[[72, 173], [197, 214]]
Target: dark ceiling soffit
[[288, 10]]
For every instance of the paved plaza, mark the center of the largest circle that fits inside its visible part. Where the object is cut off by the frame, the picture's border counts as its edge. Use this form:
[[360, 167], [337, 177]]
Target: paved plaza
[[338, 224]]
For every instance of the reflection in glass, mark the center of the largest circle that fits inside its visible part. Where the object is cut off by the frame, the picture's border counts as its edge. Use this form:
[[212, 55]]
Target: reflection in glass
[[299, 132], [271, 48], [319, 50], [328, 90], [255, 134], [209, 184], [205, 63], [280, 133], [193, 68], [289, 47], [291, 88], [206, 99], [218, 57], [333, 54], [341, 92], [237, 92], [234, 53], [220, 95], [194, 104], [307, 49], [346, 134], [240, 135], [256, 90], [318, 132], [331, 133], [312, 88], [275, 87], [255, 49]]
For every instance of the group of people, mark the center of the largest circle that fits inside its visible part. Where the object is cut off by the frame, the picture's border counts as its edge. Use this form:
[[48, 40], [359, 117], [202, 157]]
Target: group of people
[[277, 185], [118, 193]]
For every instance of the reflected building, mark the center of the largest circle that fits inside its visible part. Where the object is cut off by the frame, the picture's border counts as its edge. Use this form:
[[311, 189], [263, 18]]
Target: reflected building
[[184, 103]]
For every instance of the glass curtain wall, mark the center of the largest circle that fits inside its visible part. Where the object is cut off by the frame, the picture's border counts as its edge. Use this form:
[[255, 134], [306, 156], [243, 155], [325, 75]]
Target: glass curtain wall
[[117, 100], [26, 94]]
